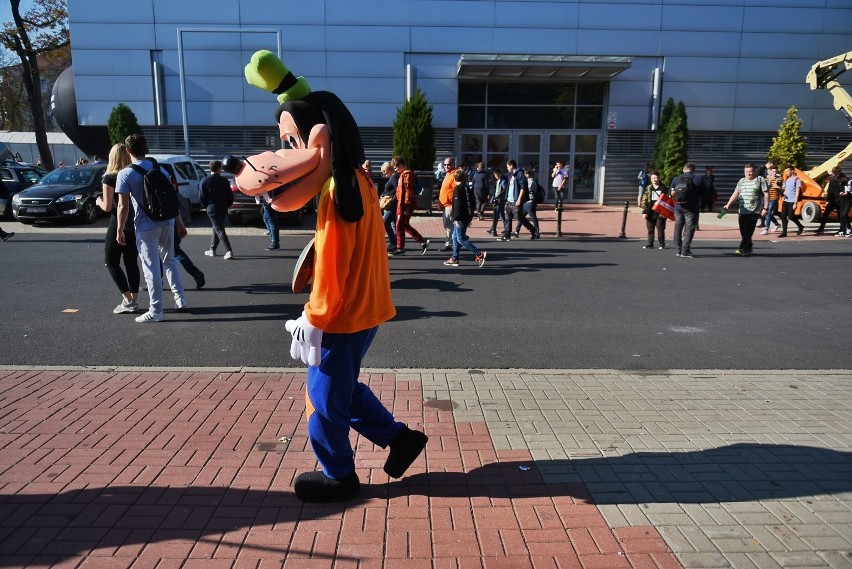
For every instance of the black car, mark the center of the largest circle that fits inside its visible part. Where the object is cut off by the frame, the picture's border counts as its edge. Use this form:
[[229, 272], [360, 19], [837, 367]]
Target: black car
[[17, 177], [65, 193]]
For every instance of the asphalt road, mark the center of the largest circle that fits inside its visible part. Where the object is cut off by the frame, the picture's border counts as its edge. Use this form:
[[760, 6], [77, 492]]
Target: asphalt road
[[550, 304]]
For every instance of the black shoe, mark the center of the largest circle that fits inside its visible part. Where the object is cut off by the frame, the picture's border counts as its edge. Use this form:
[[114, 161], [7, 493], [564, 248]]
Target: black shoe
[[446, 248], [490, 231], [317, 487], [200, 280], [273, 247], [396, 252], [405, 447], [800, 231], [515, 234], [782, 234], [7, 236]]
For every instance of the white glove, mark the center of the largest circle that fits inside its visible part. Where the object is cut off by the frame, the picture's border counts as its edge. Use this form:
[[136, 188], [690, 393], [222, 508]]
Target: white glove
[[307, 341]]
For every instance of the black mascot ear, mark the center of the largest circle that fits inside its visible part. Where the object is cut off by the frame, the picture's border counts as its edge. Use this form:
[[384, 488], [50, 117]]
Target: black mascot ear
[[347, 150]]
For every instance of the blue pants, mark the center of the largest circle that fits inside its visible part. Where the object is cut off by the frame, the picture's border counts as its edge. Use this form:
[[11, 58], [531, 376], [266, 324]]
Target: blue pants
[[342, 402]]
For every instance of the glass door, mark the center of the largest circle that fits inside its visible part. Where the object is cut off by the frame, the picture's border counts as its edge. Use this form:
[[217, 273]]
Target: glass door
[[528, 155], [583, 172]]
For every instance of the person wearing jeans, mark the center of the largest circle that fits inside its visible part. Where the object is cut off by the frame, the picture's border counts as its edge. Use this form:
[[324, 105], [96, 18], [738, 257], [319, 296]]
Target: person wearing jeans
[[270, 219], [464, 202], [686, 213], [750, 194], [792, 193], [215, 195]]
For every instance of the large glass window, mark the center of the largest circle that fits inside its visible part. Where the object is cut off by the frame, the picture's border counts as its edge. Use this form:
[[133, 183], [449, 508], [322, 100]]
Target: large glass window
[[531, 105]]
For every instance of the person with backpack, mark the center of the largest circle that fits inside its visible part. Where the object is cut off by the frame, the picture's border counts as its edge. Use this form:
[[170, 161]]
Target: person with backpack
[[498, 202], [752, 197], [406, 199], [216, 197], [156, 210], [464, 204], [532, 197], [792, 193], [686, 191], [836, 184]]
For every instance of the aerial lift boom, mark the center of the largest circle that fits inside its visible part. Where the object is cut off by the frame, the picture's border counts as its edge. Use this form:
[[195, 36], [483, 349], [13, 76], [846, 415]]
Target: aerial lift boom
[[823, 75]]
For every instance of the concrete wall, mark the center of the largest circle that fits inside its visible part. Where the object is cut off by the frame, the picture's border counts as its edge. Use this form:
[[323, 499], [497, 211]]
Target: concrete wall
[[736, 64]]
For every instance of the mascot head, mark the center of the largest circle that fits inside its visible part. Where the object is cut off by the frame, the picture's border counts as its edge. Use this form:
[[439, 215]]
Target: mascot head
[[320, 131]]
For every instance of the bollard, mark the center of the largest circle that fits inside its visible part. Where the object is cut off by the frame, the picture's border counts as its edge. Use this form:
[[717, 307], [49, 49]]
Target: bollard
[[622, 235], [559, 219]]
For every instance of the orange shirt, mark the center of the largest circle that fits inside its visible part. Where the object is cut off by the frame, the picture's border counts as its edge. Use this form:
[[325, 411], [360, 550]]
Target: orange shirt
[[351, 282], [445, 198]]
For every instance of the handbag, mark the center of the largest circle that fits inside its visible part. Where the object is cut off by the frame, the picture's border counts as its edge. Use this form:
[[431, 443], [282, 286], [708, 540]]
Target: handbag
[[385, 202], [665, 206]]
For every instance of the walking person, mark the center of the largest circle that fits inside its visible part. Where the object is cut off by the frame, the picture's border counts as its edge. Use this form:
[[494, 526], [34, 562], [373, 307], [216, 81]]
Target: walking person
[[270, 220], [463, 206], [845, 205], [127, 280], [686, 190], [154, 239], [653, 220], [216, 197], [792, 194], [836, 183], [644, 178], [751, 196], [529, 202], [773, 184], [516, 184], [498, 201], [445, 200], [406, 198], [480, 188], [387, 187]]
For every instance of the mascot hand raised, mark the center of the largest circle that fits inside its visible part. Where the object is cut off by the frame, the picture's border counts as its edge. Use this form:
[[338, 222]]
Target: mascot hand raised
[[307, 341]]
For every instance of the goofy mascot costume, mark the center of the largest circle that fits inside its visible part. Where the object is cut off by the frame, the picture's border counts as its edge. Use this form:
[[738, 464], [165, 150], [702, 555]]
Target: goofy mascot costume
[[350, 296]]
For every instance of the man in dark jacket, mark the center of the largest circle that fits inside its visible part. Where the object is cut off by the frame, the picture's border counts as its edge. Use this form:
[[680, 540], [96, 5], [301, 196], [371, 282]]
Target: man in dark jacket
[[216, 197], [687, 190], [4, 195]]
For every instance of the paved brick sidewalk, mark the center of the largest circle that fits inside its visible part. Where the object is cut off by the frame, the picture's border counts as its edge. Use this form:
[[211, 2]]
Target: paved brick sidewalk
[[146, 468]]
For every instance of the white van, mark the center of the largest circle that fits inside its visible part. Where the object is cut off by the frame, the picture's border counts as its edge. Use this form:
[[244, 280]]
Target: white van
[[188, 174]]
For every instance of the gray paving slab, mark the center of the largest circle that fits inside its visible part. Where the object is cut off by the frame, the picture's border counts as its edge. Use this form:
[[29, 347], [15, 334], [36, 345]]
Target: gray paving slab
[[735, 469]]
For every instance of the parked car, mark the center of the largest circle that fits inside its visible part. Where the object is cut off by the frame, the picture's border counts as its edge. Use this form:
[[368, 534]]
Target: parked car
[[17, 177], [65, 193], [246, 210], [187, 172]]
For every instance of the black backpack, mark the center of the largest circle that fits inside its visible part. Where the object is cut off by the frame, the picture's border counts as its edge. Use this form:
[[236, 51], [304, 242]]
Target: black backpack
[[684, 190], [539, 193], [160, 199]]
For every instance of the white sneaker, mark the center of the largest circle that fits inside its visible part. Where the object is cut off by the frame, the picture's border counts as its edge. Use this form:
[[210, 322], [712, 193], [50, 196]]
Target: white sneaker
[[228, 255], [765, 232], [210, 253], [151, 317], [125, 308]]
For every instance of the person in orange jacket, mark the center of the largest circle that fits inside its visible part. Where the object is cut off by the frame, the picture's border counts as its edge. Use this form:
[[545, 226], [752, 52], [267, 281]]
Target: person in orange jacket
[[350, 296], [445, 200]]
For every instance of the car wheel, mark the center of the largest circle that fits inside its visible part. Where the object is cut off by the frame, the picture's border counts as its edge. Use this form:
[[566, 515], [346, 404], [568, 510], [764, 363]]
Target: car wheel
[[811, 212], [89, 213]]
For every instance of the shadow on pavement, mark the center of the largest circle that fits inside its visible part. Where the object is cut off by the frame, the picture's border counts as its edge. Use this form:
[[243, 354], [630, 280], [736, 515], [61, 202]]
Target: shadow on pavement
[[38, 528]]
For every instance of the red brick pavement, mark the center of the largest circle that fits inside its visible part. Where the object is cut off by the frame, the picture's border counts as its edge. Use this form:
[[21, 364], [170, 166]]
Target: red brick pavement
[[195, 469]]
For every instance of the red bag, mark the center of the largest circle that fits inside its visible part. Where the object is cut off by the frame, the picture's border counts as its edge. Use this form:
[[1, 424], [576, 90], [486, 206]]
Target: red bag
[[665, 206]]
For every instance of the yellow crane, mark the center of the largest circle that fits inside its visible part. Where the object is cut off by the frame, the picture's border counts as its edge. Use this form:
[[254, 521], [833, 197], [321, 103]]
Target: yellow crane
[[823, 75]]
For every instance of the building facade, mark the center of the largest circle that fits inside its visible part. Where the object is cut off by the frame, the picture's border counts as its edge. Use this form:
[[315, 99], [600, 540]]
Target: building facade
[[534, 80]]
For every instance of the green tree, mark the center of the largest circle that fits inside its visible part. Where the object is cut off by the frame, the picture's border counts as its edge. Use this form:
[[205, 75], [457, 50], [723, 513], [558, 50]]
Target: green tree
[[122, 123], [413, 135], [788, 148], [662, 124], [42, 29], [675, 151]]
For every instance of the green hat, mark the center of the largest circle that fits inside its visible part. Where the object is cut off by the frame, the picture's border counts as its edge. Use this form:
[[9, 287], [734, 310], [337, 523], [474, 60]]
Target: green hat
[[266, 71]]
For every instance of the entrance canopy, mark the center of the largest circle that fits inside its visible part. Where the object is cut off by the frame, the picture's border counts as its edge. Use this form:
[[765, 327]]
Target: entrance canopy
[[540, 67]]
